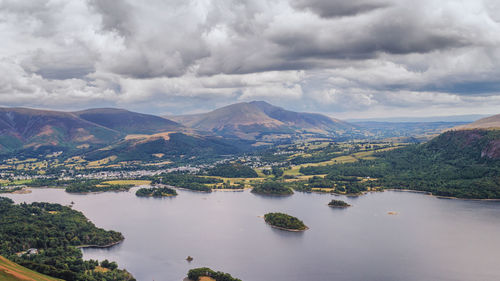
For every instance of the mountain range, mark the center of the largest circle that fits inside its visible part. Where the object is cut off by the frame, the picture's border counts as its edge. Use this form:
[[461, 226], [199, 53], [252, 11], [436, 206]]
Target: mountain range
[[104, 131]]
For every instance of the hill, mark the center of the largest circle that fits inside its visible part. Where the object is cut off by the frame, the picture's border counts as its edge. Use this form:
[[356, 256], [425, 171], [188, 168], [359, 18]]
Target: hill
[[167, 145], [10, 271], [128, 122], [257, 119], [24, 128], [492, 122], [464, 164]]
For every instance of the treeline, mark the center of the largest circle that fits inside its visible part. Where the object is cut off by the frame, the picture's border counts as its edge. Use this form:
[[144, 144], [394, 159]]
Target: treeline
[[284, 221], [95, 186], [55, 231], [187, 181], [272, 188], [232, 170], [155, 192], [195, 274]]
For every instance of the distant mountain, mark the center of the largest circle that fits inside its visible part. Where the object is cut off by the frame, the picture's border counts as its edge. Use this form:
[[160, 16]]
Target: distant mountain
[[24, 128], [253, 120], [128, 122], [492, 122]]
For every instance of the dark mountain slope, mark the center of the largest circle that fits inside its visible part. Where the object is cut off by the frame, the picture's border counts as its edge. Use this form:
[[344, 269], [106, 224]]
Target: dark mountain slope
[[169, 146], [128, 122]]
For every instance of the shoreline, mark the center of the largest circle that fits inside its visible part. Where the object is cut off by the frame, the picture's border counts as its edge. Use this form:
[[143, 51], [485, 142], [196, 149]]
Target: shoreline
[[440, 196], [99, 246], [287, 229], [274, 195]]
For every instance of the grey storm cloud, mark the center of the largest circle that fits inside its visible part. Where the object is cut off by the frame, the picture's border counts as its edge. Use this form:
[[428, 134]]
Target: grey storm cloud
[[327, 55], [339, 8]]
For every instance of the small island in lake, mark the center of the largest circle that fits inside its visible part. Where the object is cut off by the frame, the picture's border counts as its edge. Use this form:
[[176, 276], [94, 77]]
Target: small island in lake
[[206, 274], [155, 192], [272, 188], [338, 204], [284, 222]]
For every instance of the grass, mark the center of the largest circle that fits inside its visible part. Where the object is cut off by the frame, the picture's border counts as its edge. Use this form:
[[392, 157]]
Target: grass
[[10, 271], [99, 163], [134, 182], [100, 269]]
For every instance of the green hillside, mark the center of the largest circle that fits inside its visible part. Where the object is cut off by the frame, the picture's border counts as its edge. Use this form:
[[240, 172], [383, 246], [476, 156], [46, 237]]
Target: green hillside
[[464, 164], [10, 271]]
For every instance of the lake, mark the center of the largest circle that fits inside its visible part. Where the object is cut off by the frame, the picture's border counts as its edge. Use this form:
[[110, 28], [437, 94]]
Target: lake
[[429, 238]]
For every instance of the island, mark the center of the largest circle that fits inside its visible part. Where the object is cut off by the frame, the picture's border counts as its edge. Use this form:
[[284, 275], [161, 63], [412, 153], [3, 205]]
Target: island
[[207, 274], [272, 188], [338, 204], [284, 222], [47, 240], [155, 192]]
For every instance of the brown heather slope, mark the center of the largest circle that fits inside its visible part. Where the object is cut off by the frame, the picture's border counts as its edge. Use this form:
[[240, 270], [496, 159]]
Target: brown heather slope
[[32, 128], [492, 122]]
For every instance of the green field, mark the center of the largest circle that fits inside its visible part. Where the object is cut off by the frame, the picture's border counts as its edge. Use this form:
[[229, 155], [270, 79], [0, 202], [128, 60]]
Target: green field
[[10, 271]]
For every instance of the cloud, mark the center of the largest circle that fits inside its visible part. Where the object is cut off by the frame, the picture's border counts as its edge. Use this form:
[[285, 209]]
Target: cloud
[[339, 8], [311, 55]]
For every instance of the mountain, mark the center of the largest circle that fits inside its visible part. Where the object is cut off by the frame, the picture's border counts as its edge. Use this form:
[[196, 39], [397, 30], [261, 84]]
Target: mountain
[[128, 122], [492, 122], [24, 128], [254, 120]]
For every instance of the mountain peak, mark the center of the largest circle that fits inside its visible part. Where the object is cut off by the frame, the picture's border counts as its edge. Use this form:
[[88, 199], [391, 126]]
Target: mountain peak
[[255, 119]]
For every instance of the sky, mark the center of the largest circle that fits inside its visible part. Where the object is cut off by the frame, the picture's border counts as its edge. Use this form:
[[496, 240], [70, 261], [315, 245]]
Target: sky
[[346, 59]]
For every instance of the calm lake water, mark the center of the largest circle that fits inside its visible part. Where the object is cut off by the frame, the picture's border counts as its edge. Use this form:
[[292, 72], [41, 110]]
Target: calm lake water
[[429, 239]]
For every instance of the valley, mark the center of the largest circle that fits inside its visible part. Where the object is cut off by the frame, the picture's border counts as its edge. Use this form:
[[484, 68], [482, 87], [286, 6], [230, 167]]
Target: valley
[[265, 154]]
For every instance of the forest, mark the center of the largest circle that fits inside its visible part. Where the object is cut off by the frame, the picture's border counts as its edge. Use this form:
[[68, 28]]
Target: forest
[[272, 188], [186, 181], [55, 231], [95, 186]]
